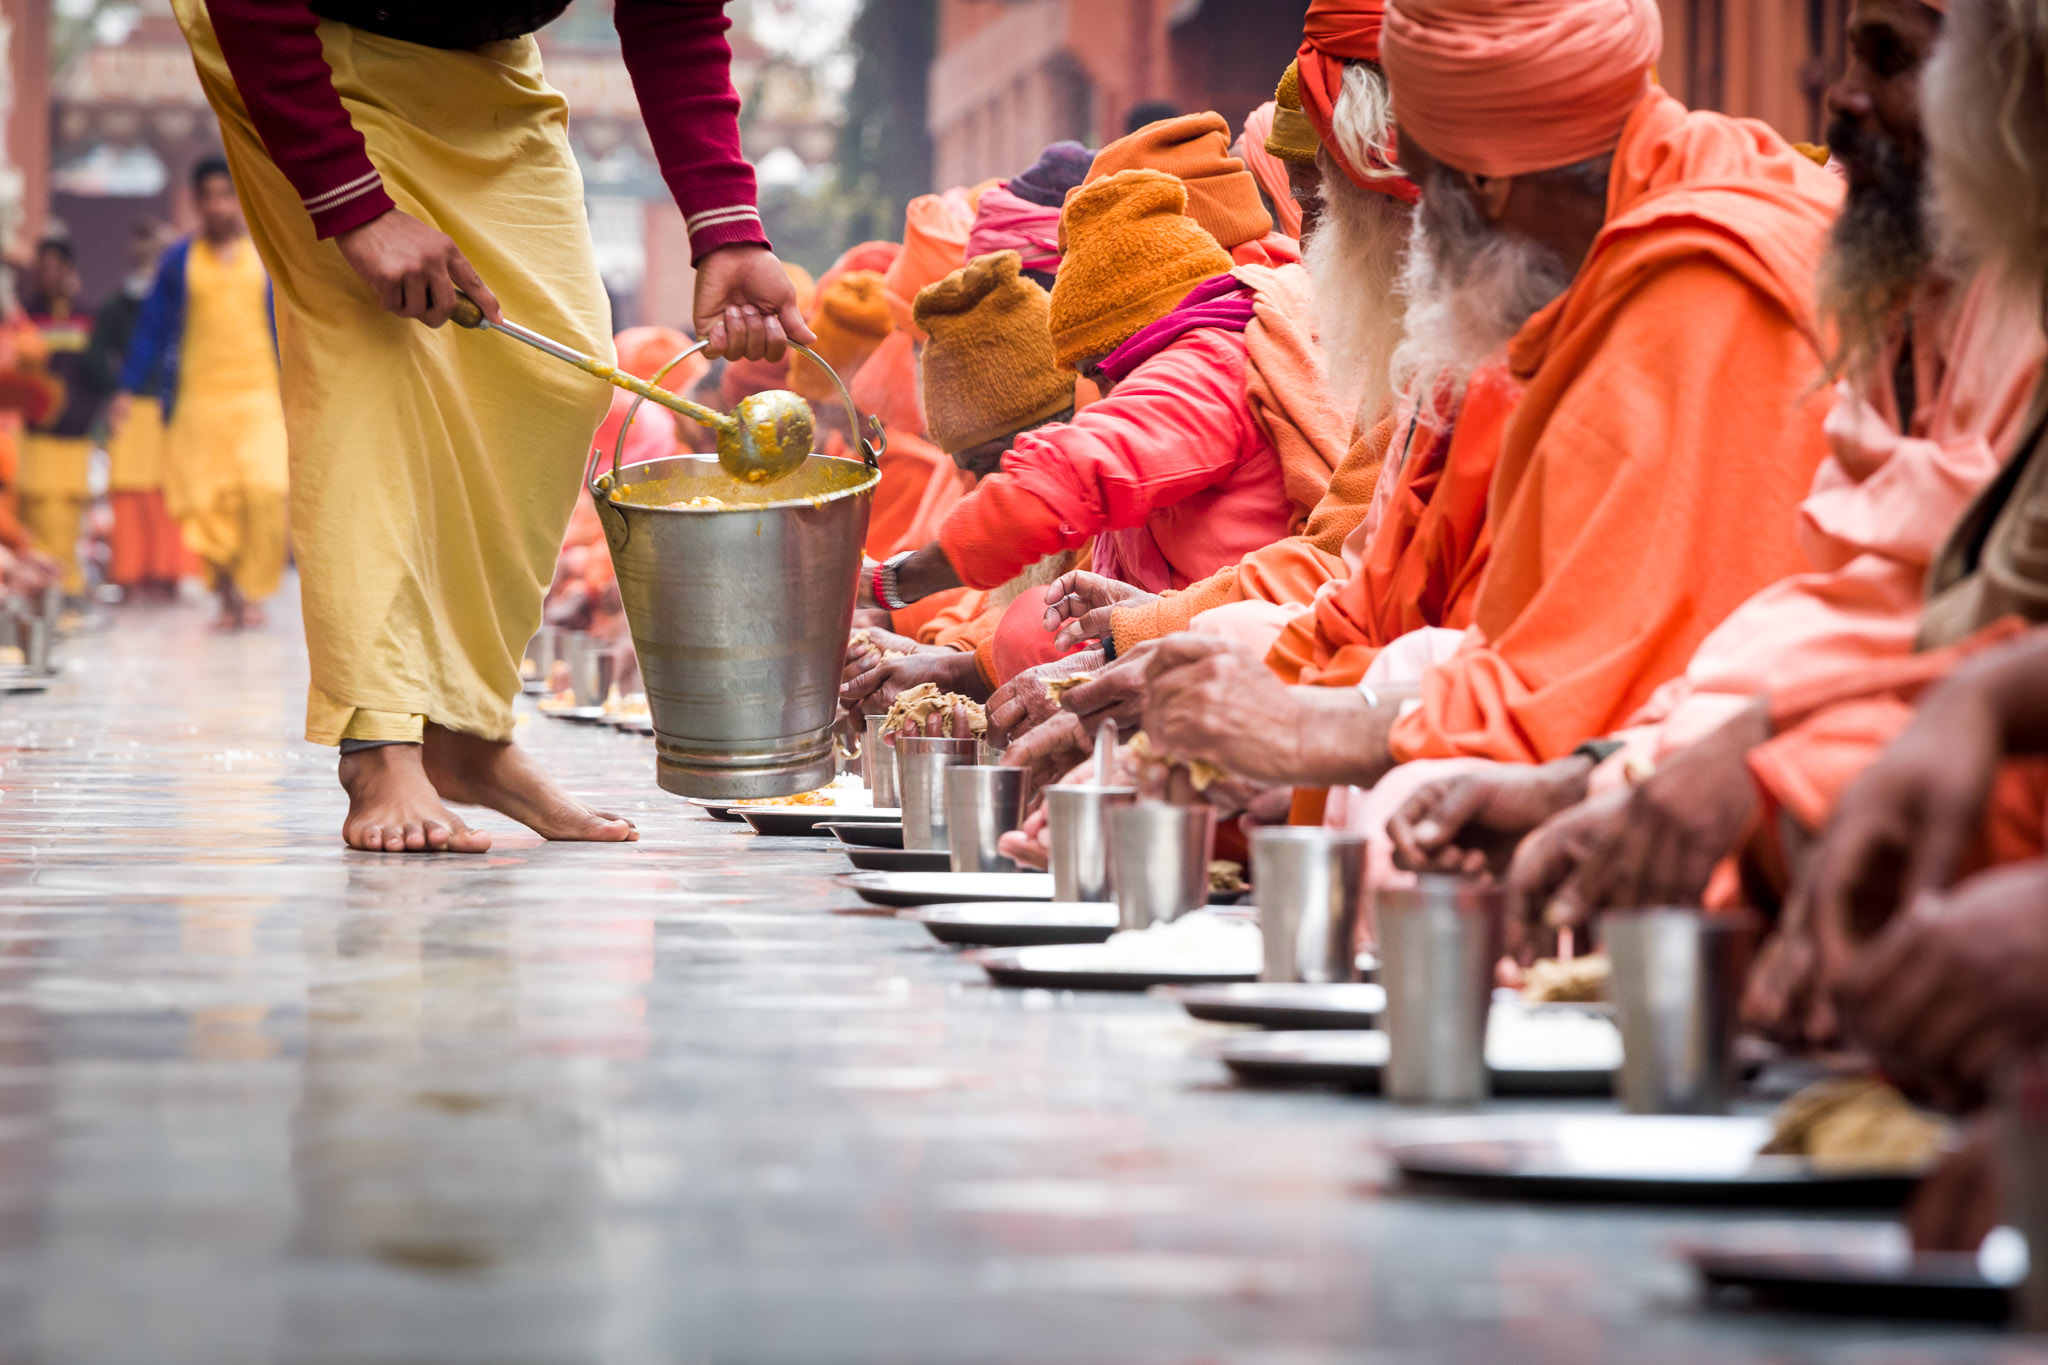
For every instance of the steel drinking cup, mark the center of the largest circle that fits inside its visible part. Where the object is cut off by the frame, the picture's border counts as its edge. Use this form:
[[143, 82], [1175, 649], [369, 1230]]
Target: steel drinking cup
[[1159, 861], [592, 666], [878, 765], [920, 762], [2021, 1125], [1438, 942], [1677, 974], [1077, 828], [983, 803], [1308, 885]]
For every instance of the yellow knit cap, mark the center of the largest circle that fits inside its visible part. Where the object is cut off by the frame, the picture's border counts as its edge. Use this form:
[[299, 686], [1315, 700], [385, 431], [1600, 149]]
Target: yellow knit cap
[[1293, 137], [1132, 254], [988, 368], [852, 319]]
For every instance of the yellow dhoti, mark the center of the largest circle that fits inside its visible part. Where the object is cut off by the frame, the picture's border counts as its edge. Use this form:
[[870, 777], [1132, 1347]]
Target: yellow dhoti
[[54, 488], [432, 472], [225, 471]]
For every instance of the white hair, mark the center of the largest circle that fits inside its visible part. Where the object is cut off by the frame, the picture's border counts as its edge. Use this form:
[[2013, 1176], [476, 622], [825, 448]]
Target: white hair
[[1354, 255], [1984, 105], [1469, 287]]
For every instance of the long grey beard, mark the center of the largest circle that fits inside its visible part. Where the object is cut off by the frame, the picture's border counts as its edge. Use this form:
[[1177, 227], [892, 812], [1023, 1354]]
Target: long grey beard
[[1355, 258], [1468, 293]]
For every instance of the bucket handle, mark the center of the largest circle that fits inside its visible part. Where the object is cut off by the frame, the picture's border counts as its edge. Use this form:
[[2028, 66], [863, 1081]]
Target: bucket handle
[[871, 447]]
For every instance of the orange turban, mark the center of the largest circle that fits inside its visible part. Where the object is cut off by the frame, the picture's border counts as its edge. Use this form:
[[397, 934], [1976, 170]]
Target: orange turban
[[875, 256], [851, 321], [1334, 34], [1511, 87], [935, 229], [1222, 196]]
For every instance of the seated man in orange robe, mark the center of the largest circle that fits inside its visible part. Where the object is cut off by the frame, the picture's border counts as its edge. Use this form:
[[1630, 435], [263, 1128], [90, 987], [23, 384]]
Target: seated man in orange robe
[[1648, 270], [1937, 374]]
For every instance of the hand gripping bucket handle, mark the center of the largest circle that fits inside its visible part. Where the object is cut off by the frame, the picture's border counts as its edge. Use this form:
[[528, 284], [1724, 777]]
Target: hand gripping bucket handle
[[871, 446]]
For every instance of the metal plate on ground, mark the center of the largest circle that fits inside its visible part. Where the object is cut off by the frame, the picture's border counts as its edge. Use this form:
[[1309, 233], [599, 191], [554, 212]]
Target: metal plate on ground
[[1872, 1273], [1355, 1059], [1287, 1005], [1018, 924], [939, 888], [865, 833], [1661, 1158], [899, 859], [717, 810], [802, 820], [587, 715], [1081, 967]]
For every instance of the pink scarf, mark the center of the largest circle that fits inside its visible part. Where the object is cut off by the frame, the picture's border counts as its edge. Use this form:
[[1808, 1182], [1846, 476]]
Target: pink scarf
[[1007, 223], [1225, 302]]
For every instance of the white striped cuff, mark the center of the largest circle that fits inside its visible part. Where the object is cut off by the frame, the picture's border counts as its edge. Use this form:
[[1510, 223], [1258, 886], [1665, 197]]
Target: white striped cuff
[[341, 194], [697, 222]]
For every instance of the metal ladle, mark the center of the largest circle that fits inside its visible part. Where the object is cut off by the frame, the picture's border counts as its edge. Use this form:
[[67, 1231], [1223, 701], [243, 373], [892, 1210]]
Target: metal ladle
[[764, 437]]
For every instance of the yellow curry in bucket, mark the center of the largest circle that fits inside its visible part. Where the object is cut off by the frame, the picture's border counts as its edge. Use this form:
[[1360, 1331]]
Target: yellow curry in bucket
[[701, 484]]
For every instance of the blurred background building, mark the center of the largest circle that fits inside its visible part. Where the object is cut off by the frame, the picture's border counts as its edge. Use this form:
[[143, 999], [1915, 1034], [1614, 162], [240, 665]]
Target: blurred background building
[[851, 107]]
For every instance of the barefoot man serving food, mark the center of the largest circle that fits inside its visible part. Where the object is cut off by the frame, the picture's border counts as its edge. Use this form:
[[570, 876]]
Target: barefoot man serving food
[[387, 156]]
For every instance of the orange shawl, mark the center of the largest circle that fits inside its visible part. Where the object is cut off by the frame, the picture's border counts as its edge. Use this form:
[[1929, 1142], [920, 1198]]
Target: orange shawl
[[1649, 481], [1424, 562]]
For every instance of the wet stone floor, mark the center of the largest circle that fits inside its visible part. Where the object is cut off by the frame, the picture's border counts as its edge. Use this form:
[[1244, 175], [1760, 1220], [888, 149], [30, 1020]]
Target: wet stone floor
[[263, 1099]]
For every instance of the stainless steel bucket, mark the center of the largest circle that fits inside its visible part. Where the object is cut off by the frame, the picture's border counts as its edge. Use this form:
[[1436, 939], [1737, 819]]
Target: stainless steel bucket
[[739, 611]]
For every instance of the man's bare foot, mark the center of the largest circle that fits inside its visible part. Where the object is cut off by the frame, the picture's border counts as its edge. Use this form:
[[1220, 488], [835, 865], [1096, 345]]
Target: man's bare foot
[[482, 772], [393, 808], [234, 609]]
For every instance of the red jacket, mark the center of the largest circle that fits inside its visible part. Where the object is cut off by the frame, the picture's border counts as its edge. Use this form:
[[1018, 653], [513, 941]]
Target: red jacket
[[1172, 458]]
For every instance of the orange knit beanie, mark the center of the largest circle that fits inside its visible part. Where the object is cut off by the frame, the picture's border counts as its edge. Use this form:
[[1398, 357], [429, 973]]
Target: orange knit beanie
[[935, 228], [1132, 254], [1222, 196], [852, 319], [988, 368]]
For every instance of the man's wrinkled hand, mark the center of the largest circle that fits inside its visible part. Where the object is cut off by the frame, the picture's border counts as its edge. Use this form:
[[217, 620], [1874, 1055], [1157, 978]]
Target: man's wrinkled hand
[[1214, 700], [1079, 604], [1026, 701], [875, 689], [1470, 823]]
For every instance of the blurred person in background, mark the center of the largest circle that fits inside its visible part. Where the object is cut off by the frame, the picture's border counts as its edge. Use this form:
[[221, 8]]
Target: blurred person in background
[[56, 449], [149, 555], [207, 336]]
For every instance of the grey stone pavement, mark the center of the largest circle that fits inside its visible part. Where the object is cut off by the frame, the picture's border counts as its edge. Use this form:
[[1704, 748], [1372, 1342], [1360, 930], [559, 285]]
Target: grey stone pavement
[[263, 1099]]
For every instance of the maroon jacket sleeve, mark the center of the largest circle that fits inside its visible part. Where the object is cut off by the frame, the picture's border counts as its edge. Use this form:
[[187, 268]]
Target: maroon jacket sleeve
[[273, 52], [681, 66]]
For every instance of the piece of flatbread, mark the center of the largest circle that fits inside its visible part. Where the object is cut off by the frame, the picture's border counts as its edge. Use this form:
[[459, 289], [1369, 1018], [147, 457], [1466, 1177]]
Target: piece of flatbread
[[920, 703], [1551, 981], [1856, 1123]]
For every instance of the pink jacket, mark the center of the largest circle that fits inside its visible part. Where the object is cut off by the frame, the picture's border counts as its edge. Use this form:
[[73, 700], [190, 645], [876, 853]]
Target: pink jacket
[[1881, 505], [1171, 458]]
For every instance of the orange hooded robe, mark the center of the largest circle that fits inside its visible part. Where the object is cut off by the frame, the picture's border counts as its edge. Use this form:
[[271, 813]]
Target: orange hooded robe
[[1670, 425], [1423, 563]]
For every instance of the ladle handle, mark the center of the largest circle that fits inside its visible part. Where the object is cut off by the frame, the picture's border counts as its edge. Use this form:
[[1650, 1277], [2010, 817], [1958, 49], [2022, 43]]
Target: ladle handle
[[619, 446], [871, 450]]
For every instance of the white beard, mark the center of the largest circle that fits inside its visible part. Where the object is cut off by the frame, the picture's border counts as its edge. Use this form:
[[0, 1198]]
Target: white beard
[[1469, 288], [1354, 256]]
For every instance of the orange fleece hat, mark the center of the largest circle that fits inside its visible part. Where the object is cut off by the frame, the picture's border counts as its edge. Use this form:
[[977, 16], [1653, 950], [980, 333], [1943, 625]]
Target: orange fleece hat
[[1132, 256], [851, 320], [935, 228], [806, 287], [988, 368], [1222, 195]]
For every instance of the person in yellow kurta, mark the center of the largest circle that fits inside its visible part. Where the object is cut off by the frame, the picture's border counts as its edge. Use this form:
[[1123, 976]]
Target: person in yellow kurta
[[386, 155], [206, 332], [53, 480]]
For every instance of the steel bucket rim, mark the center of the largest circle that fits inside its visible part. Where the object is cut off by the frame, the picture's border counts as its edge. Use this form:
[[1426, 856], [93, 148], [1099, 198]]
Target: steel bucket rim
[[605, 487]]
